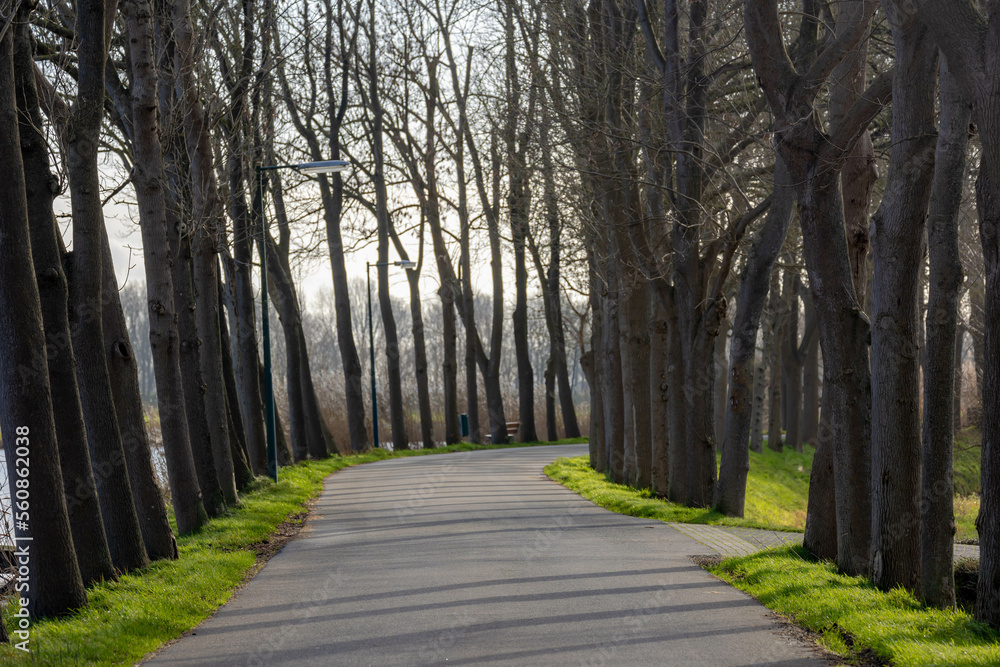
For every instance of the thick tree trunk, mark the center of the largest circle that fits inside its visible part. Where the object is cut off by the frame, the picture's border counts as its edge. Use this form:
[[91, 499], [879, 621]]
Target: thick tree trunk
[[677, 445], [988, 521], [449, 365], [611, 376], [843, 331], [293, 364], [820, 538], [89, 539], [190, 361], [146, 495], [774, 366], [26, 409], [519, 319], [859, 173], [201, 271], [895, 357], [593, 364], [791, 366], [208, 316], [731, 489], [813, 159], [164, 342], [943, 350], [659, 397], [639, 379], [420, 361], [332, 196], [238, 432], [106, 449]]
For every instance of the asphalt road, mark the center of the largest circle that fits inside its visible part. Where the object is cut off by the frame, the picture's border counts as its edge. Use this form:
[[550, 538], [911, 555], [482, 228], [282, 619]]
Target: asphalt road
[[478, 558]]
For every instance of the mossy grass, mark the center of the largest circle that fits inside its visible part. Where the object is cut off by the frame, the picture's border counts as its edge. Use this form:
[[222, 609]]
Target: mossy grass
[[129, 618], [857, 621]]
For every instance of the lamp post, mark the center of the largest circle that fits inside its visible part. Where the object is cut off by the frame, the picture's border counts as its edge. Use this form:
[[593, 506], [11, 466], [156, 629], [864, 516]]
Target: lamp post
[[323, 167], [409, 266]]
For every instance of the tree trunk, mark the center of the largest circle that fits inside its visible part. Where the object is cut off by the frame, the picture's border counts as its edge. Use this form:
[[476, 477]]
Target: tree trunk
[[659, 408], [400, 441], [106, 449], [791, 366], [820, 538], [26, 409], [895, 357], [956, 417], [593, 364], [721, 380], [89, 539], [420, 359], [813, 159], [639, 379], [731, 490], [164, 342], [943, 350], [146, 495], [988, 521], [190, 360], [551, 432], [677, 445], [237, 432], [810, 378], [611, 378], [774, 366], [248, 384], [859, 173]]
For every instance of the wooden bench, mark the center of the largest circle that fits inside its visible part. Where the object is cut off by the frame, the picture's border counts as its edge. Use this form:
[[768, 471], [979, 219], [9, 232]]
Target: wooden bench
[[512, 428]]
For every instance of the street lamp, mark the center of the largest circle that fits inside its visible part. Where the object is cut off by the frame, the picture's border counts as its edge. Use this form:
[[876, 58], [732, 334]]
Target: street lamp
[[321, 167], [409, 266]]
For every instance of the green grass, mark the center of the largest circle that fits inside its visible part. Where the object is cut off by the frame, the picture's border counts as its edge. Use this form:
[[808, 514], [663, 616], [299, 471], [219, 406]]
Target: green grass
[[966, 466], [128, 618], [851, 615], [777, 492]]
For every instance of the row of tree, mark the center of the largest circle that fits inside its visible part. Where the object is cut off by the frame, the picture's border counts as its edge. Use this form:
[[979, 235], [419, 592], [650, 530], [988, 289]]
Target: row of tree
[[185, 101], [688, 122]]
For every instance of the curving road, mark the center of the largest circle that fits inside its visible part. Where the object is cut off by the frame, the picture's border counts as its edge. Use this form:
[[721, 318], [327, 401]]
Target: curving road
[[478, 558]]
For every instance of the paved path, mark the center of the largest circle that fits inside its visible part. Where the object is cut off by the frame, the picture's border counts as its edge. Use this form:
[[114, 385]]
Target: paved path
[[478, 558]]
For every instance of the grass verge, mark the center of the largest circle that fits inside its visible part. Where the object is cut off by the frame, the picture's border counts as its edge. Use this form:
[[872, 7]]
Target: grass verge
[[129, 618], [854, 619], [777, 492]]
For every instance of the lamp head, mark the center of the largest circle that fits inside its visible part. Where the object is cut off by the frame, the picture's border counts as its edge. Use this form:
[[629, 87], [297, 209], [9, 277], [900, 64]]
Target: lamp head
[[407, 264], [323, 167]]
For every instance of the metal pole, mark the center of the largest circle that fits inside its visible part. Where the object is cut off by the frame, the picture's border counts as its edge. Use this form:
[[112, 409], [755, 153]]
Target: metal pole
[[371, 350], [272, 448]]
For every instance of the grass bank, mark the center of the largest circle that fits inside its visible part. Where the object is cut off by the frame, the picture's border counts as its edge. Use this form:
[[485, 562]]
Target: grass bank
[[857, 621], [777, 491], [129, 618]]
